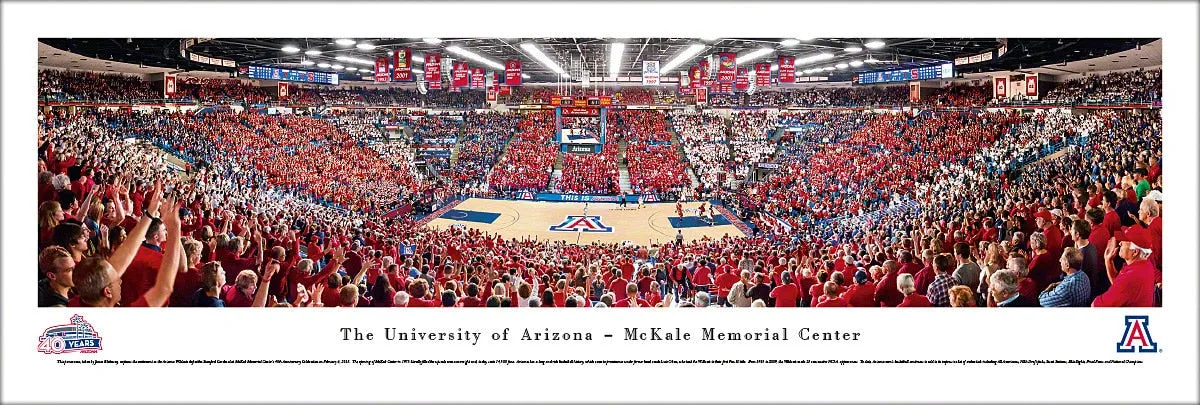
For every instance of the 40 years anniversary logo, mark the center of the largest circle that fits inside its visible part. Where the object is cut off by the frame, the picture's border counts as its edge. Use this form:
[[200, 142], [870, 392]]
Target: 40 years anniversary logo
[[77, 336]]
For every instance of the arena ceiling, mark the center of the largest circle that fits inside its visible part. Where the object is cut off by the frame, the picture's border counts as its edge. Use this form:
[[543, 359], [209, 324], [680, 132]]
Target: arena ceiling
[[574, 56]]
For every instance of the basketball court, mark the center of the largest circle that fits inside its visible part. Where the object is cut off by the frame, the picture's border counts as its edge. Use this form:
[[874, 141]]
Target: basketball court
[[603, 222]]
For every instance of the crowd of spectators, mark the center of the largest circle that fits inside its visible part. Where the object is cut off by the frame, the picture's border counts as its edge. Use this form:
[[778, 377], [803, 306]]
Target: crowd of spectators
[[704, 144], [1139, 86], [71, 85], [750, 135], [479, 147], [528, 158], [590, 173], [655, 165], [958, 95], [867, 209]]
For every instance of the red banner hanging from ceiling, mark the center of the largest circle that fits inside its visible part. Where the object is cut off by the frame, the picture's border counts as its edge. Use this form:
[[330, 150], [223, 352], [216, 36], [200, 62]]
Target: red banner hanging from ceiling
[[433, 71], [461, 73], [762, 74], [726, 66], [402, 65], [787, 69], [477, 78], [512, 72], [743, 79]]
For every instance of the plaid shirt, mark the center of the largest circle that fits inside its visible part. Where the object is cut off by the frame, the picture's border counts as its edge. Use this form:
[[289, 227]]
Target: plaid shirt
[[1074, 291], [939, 290]]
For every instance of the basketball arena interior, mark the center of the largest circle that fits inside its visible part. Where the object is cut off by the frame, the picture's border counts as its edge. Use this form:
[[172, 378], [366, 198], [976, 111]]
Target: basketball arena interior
[[599, 172]]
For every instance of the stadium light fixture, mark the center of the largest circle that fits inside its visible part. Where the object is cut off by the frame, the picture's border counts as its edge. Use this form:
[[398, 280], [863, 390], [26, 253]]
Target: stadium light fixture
[[307, 62], [354, 60], [475, 57], [345, 41], [875, 44], [856, 63], [312, 52], [352, 69], [828, 68], [842, 65], [806, 39], [365, 47], [614, 58], [758, 53], [432, 41], [542, 58], [710, 39], [290, 49], [684, 56], [323, 65], [814, 58], [338, 67], [789, 42], [853, 49]]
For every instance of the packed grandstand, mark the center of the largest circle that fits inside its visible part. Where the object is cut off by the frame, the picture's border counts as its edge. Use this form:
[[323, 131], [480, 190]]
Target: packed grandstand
[[854, 196]]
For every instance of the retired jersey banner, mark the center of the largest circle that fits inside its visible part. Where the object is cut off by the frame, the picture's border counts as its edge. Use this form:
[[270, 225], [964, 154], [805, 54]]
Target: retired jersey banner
[[461, 73], [743, 79], [1001, 87], [701, 95], [708, 83], [381, 70], [477, 78], [787, 69], [512, 72], [694, 73], [433, 71], [491, 94], [1031, 85], [726, 67], [685, 83], [168, 86], [724, 88], [402, 65], [705, 72], [762, 74], [283, 90], [650, 76]]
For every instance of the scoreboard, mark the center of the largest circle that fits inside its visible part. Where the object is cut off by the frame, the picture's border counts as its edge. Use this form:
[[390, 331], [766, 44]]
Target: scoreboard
[[942, 71], [291, 75]]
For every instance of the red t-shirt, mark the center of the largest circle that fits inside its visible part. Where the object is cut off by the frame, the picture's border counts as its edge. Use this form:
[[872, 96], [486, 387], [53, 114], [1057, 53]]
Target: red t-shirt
[[886, 292], [785, 295], [834, 302], [141, 274], [861, 295], [618, 288], [625, 303], [915, 300], [1133, 287]]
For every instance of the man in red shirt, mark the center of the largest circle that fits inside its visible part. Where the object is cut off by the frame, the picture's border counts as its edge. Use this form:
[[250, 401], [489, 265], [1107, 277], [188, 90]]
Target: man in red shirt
[[724, 283], [617, 286], [143, 270], [1048, 224], [786, 295], [862, 293], [98, 281], [631, 300], [887, 294], [831, 297], [1134, 286]]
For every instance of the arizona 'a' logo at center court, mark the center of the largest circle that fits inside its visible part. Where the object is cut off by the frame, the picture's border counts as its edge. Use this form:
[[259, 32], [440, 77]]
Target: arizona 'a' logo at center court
[[576, 223]]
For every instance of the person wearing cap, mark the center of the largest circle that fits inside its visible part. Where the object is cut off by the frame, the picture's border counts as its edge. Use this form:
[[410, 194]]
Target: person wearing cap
[[862, 293], [1134, 285], [1046, 222], [939, 289], [1075, 290]]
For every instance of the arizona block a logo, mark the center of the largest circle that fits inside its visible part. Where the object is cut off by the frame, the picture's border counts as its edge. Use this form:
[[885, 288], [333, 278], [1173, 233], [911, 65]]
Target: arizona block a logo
[[575, 223], [1137, 336]]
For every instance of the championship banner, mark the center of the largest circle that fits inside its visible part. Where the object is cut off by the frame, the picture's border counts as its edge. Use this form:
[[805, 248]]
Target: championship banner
[[381, 70], [685, 83], [914, 92], [726, 67], [433, 71], [708, 83], [512, 72], [460, 75], [724, 88], [1031, 85], [787, 69], [743, 79], [702, 95], [283, 90], [168, 86], [762, 73], [694, 73], [1000, 87], [650, 75], [402, 65], [477, 78]]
